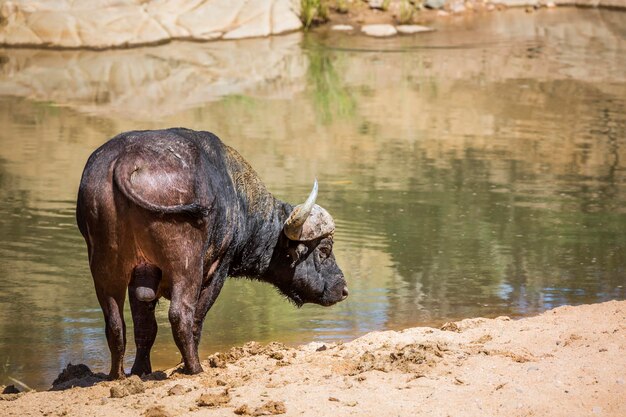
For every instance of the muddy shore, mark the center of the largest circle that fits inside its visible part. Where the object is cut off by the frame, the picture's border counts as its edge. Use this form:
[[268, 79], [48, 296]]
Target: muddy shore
[[570, 361]]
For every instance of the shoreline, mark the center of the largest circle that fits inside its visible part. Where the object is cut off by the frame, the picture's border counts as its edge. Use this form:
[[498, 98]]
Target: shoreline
[[360, 19], [566, 361]]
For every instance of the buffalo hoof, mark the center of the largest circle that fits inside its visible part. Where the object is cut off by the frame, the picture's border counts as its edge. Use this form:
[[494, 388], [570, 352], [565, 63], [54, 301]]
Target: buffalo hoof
[[114, 376], [141, 369], [193, 370]]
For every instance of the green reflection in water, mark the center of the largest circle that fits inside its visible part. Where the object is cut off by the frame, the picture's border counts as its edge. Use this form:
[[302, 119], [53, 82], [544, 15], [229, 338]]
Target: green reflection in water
[[474, 181], [330, 97]]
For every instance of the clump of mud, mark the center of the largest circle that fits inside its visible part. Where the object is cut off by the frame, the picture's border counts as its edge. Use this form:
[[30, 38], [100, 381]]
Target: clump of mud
[[9, 393], [178, 390], [9, 389], [270, 408], [267, 409], [157, 411], [243, 410], [411, 358], [221, 359], [129, 386], [213, 400], [450, 327], [76, 376]]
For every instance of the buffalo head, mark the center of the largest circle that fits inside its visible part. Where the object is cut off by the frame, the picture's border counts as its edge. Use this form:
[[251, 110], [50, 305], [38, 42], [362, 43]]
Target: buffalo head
[[304, 266]]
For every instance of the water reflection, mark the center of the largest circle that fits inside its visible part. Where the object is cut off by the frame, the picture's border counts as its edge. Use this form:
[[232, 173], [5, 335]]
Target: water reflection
[[483, 180]]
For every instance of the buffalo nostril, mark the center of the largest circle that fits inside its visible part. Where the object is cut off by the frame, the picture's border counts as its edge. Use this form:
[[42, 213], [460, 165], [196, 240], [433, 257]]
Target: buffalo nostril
[[344, 293]]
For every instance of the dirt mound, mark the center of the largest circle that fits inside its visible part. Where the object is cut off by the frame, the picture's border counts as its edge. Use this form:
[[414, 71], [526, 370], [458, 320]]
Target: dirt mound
[[76, 376], [157, 411], [212, 400], [270, 408], [273, 350], [9, 389], [411, 358], [9, 393], [267, 409], [129, 386]]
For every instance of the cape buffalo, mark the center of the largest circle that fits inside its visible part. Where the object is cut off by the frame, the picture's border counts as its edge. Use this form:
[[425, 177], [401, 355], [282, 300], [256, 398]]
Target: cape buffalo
[[171, 213]]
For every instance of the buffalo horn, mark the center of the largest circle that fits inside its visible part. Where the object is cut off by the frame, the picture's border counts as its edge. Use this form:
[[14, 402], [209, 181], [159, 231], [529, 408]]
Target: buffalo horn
[[299, 215]]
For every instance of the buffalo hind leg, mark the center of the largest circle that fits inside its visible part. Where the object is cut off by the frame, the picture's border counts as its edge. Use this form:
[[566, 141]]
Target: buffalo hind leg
[[185, 291], [142, 296], [115, 328]]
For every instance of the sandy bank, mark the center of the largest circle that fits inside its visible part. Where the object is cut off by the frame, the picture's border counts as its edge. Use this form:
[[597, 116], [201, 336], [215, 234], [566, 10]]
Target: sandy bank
[[570, 361]]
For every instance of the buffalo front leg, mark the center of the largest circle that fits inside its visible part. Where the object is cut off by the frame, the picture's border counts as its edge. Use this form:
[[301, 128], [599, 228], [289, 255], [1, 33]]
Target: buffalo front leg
[[145, 329], [185, 293]]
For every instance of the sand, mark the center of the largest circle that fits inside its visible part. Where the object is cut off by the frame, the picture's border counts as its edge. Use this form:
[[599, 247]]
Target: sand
[[570, 361]]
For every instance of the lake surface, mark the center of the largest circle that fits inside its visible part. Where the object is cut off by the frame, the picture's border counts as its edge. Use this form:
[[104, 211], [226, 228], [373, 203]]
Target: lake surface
[[476, 171]]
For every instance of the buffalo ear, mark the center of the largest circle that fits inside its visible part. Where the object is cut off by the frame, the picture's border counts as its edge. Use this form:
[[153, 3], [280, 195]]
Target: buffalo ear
[[299, 252]]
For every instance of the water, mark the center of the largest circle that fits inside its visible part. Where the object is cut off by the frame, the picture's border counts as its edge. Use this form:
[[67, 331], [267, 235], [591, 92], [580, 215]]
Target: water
[[476, 171]]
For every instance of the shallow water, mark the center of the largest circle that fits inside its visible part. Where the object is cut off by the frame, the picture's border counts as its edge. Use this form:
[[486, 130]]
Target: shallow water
[[475, 171]]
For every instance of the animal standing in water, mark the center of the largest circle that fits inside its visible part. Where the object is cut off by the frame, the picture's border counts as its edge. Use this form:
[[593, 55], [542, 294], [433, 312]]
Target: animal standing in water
[[171, 213]]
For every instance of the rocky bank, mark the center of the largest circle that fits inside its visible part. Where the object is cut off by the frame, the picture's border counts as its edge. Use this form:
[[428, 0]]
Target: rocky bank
[[569, 361], [101, 24]]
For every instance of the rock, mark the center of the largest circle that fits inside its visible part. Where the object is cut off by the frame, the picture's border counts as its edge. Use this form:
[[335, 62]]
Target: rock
[[342, 28], [457, 7], [410, 29], [105, 23], [379, 30], [516, 3], [377, 4], [434, 4]]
